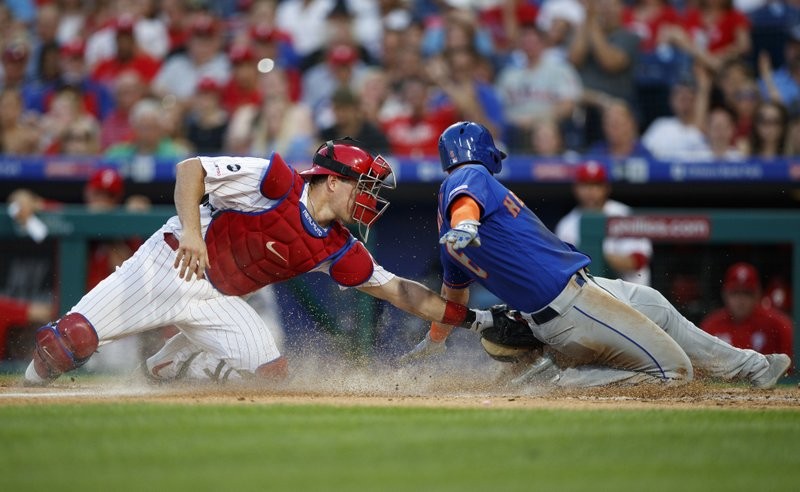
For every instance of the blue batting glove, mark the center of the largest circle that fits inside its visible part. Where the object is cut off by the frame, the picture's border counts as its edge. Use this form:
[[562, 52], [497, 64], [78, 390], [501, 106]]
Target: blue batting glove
[[464, 234]]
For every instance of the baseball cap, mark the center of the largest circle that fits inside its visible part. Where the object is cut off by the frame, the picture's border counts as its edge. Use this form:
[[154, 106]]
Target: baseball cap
[[203, 26], [263, 33], [208, 84], [591, 172], [107, 180], [124, 24], [73, 48], [342, 54], [741, 277], [15, 51], [240, 53]]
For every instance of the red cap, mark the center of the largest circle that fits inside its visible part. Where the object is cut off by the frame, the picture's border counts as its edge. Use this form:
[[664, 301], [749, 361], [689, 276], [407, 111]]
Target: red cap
[[241, 53], [107, 180], [778, 294], [741, 277], [15, 51], [124, 24], [342, 54], [591, 172], [203, 26], [263, 33], [208, 84], [73, 48]]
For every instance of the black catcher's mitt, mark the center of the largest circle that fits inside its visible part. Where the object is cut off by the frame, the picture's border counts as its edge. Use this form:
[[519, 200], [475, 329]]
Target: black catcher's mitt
[[510, 339]]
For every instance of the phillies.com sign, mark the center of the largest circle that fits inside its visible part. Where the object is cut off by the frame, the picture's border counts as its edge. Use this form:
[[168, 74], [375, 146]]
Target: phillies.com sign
[[696, 228]]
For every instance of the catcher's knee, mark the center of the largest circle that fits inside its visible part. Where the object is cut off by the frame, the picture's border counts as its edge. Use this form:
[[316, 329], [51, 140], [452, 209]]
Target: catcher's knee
[[64, 345]]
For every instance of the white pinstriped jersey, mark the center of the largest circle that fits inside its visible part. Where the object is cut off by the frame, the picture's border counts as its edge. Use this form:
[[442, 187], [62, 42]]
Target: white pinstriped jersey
[[233, 183], [222, 336]]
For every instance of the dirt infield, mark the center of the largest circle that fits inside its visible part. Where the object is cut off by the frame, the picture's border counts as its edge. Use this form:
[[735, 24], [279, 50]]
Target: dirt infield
[[448, 393]]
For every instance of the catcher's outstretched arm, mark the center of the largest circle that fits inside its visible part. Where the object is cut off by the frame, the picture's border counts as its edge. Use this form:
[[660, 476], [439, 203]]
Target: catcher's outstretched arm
[[439, 332], [415, 298]]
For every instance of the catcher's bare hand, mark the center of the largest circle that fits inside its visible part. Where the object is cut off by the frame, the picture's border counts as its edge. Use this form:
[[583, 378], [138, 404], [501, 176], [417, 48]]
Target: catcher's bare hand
[[425, 349], [191, 257]]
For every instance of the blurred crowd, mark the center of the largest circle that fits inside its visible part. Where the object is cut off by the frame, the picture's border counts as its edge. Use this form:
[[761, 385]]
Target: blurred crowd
[[674, 79]]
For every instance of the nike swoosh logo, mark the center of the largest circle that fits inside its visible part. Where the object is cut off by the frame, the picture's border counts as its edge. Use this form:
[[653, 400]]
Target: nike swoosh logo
[[271, 248]]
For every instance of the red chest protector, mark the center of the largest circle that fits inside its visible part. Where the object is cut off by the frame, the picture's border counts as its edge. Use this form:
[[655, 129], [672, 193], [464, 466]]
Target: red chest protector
[[249, 250]]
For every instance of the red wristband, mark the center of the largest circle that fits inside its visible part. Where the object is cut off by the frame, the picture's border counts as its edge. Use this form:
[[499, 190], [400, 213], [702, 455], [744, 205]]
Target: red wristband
[[454, 313]]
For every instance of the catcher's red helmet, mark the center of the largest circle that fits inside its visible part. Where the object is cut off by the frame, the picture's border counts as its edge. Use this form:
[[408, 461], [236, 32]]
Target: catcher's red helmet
[[345, 158]]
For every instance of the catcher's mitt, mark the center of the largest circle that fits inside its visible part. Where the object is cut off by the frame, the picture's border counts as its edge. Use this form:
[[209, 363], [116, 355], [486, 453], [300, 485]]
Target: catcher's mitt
[[510, 339]]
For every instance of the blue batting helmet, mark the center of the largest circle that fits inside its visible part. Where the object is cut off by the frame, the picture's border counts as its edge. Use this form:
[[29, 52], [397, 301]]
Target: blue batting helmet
[[468, 142]]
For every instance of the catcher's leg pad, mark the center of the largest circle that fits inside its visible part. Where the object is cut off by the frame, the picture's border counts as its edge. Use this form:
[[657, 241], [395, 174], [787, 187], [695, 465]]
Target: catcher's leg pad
[[64, 345]]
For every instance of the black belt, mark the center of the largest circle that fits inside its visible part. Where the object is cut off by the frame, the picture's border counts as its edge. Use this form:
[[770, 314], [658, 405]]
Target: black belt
[[549, 314]]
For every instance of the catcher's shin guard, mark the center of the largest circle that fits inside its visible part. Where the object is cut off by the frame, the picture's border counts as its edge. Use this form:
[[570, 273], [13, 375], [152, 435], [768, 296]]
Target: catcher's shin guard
[[63, 345]]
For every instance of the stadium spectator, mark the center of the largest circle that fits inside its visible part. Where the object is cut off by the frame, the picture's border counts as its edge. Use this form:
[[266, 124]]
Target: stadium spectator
[[543, 88], [720, 132], [16, 54], [620, 134], [378, 101], [458, 88], [767, 139], [783, 84], [646, 18], [629, 258], [306, 22], [401, 55], [456, 28], [547, 141], [150, 137], [81, 138], [207, 120], [718, 123], [204, 57], [242, 88], [129, 88], [675, 136], [605, 54], [65, 109], [793, 137], [771, 29], [559, 18], [350, 122], [713, 33], [269, 42], [128, 56], [94, 98], [45, 33], [342, 68], [72, 19], [415, 131], [743, 321], [149, 31], [278, 125], [19, 132]]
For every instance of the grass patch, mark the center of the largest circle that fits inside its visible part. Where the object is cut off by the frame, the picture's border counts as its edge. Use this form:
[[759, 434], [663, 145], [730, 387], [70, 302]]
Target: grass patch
[[274, 447]]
